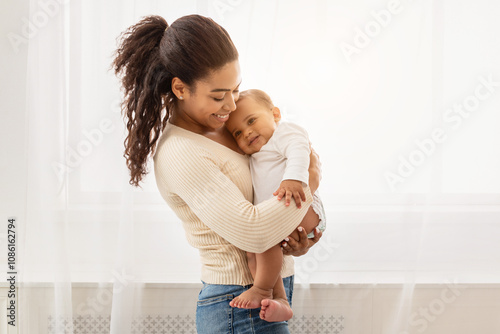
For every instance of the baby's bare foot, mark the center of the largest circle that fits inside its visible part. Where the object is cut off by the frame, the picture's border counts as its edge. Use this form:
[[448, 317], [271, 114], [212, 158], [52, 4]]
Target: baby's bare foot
[[273, 310], [251, 298]]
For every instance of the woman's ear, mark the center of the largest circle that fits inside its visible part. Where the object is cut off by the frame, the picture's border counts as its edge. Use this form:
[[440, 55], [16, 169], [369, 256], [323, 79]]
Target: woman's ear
[[276, 114], [179, 88]]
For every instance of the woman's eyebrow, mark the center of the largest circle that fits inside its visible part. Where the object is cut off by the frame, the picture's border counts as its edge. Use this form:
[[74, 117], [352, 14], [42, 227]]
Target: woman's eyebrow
[[223, 89], [220, 90]]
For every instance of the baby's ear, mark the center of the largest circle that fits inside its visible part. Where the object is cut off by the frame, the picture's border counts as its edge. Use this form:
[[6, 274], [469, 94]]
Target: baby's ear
[[277, 114]]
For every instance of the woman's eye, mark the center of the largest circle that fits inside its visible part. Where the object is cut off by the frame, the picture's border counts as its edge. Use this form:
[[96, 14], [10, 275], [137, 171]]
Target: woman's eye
[[218, 100]]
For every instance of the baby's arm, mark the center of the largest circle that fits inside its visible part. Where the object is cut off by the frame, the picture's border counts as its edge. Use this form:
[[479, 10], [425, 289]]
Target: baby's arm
[[289, 188], [292, 142]]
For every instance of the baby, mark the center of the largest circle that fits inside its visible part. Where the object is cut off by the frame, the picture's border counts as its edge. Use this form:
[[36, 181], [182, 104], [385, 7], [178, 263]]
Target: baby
[[279, 164]]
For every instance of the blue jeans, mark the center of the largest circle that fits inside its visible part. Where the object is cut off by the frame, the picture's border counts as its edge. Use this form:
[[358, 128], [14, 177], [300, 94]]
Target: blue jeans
[[215, 316]]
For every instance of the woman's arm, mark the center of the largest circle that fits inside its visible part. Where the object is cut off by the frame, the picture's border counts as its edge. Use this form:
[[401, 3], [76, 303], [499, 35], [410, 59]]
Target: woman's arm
[[192, 174]]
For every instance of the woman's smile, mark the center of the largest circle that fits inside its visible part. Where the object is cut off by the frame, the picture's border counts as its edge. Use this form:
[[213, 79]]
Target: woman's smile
[[222, 117]]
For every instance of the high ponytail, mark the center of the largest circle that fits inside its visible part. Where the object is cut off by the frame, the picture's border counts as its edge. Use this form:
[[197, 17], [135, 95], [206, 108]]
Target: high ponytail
[[149, 56]]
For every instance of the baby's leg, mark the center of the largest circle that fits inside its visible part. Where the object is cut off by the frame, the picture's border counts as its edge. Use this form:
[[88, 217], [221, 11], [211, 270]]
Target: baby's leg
[[309, 223], [268, 267], [252, 263], [264, 268], [278, 308]]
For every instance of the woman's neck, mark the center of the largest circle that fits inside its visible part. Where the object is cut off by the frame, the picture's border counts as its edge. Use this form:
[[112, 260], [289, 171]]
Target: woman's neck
[[186, 124], [220, 135], [223, 137]]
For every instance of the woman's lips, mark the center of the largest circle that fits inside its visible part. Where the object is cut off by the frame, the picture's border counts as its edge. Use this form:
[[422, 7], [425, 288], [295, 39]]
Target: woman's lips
[[221, 118]]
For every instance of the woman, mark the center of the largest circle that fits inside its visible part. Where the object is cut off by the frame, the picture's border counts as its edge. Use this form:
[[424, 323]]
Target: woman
[[181, 82]]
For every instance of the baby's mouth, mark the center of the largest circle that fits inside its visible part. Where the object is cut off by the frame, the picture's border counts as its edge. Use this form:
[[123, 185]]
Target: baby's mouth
[[253, 140]]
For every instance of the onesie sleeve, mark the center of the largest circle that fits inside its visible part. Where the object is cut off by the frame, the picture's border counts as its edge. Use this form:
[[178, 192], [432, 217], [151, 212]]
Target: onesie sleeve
[[193, 175], [292, 142]]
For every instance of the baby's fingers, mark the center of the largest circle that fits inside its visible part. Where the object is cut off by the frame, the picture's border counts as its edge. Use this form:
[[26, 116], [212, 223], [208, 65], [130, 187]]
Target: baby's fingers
[[288, 198], [297, 197], [280, 192], [302, 195]]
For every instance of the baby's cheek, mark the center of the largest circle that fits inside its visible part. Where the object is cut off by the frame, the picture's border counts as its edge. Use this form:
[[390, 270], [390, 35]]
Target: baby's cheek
[[241, 144]]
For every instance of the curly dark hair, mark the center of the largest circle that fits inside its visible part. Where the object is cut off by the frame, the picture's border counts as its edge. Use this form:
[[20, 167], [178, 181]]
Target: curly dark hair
[[150, 54]]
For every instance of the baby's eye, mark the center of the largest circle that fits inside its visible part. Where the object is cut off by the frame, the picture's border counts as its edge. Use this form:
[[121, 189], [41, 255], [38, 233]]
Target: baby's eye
[[251, 120], [236, 134]]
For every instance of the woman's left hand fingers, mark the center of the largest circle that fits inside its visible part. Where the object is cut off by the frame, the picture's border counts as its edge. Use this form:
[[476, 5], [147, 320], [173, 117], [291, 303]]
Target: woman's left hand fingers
[[297, 247], [302, 242]]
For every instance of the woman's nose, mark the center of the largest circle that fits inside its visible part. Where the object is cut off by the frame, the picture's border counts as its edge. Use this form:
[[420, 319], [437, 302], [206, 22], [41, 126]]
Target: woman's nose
[[230, 104]]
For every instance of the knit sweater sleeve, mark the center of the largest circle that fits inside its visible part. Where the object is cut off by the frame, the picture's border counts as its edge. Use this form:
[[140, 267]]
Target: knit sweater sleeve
[[192, 174]]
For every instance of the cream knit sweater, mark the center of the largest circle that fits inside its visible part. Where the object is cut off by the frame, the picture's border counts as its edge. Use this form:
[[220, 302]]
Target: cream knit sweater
[[209, 187]]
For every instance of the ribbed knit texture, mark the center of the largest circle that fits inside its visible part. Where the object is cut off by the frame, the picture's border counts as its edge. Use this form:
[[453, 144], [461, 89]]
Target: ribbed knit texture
[[209, 187]]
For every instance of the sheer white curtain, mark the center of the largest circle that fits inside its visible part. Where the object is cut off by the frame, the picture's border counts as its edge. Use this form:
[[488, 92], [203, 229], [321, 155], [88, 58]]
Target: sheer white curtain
[[400, 99]]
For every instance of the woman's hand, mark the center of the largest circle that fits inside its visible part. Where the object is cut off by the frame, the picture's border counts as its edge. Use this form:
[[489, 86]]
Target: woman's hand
[[301, 246], [314, 171]]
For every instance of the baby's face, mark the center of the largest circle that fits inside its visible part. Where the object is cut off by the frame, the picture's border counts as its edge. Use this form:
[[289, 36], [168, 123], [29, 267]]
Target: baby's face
[[251, 124]]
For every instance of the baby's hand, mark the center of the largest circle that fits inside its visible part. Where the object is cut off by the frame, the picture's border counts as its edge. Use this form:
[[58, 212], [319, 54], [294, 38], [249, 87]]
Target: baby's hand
[[289, 188]]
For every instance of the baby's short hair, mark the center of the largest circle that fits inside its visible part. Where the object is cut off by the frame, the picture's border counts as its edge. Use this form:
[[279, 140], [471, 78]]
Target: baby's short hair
[[258, 96]]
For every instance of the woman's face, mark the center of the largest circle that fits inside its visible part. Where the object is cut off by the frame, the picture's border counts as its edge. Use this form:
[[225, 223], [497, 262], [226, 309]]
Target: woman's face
[[207, 107]]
